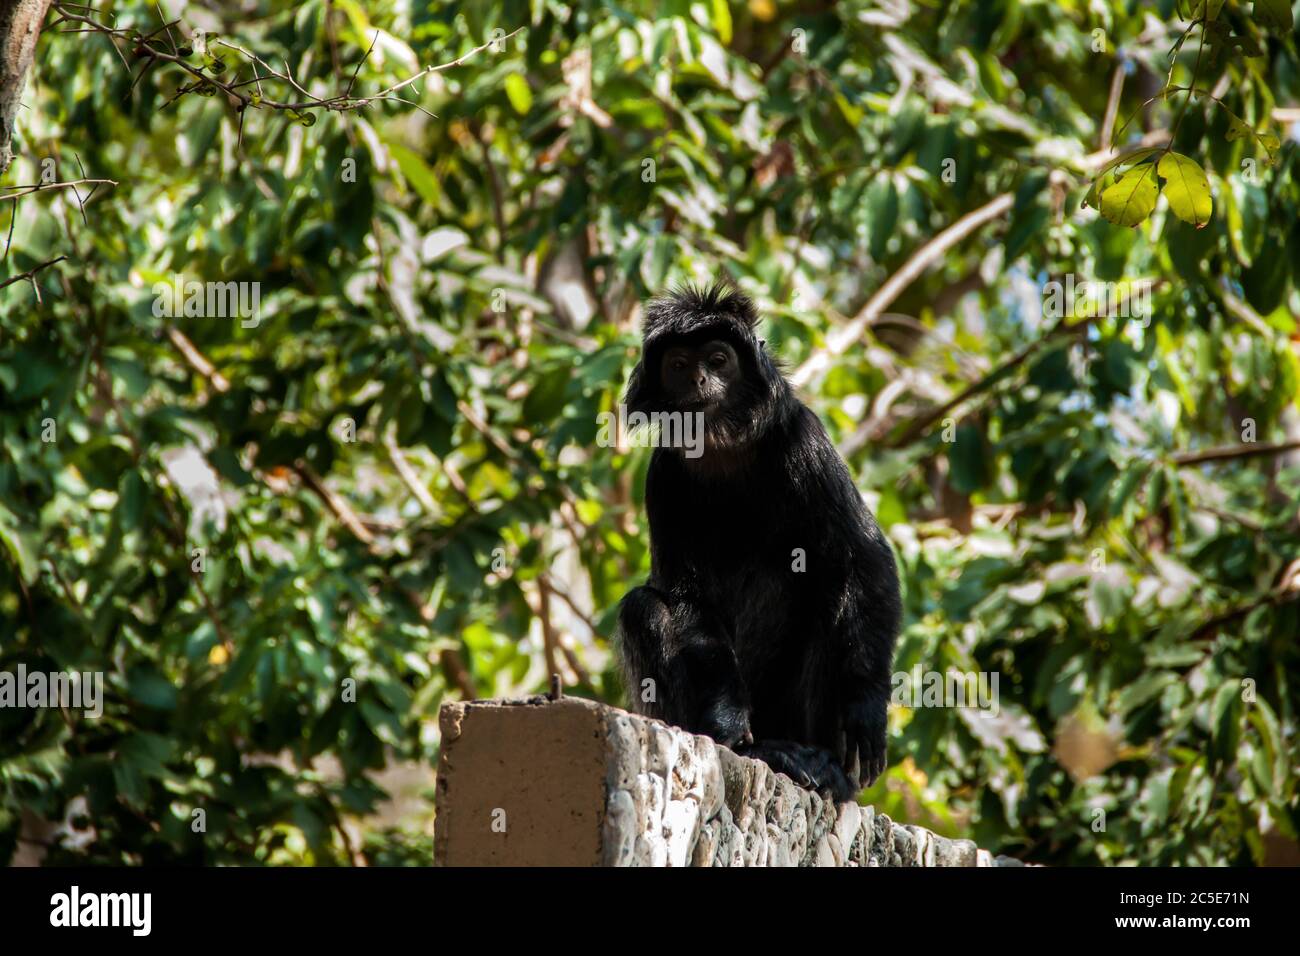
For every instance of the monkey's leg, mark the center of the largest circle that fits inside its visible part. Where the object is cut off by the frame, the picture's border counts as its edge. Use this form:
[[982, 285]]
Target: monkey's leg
[[813, 768], [679, 670], [645, 630]]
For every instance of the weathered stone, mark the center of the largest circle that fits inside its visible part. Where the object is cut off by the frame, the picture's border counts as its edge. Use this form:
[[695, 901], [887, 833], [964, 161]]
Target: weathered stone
[[860, 849], [824, 855], [846, 827], [620, 829], [661, 749], [954, 852], [731, 851], [706, 846], [681, 826], [737, 780], [713, 793], [923, 846], [648, 798], [650, 850], [785, 801], [799, 836], [627, 750], [570, 781], [837, 850], [778, 846], [882, 841], [754, 846], [904, 853]]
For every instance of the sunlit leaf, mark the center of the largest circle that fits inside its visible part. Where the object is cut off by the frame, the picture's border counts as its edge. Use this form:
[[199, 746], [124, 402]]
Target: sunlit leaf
[[1186, 188]]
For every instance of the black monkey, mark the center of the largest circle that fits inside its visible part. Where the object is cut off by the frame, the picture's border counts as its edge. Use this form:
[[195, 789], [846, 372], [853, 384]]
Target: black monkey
[[769, 619]]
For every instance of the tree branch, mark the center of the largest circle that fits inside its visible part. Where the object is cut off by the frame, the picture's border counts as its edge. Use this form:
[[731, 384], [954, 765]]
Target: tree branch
[[30, 274], [1229, 452], [838, 342], [20, 28]]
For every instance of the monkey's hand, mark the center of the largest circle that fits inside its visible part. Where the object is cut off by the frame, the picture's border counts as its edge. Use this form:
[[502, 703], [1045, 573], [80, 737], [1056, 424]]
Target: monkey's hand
[[813, 768], [728, 723], [863, 750]]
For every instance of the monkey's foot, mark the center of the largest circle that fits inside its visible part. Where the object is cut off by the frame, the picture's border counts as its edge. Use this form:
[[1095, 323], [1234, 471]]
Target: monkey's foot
[[728, 724], [812, 768]]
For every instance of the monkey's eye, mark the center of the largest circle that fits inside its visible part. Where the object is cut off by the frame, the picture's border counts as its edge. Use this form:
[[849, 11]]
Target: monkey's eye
[[718, 359], [678, 363]]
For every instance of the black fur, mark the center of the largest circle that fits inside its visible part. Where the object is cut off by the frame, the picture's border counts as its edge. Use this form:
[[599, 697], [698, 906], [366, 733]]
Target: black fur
[[792, 667]]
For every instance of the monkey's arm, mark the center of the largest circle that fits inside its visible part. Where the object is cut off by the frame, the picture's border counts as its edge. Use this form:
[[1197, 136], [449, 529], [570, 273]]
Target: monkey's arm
[[862, 608], [864, 634], [680, 666]]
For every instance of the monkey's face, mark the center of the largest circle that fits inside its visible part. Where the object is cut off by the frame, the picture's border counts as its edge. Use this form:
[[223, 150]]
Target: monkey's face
[[700, 378]]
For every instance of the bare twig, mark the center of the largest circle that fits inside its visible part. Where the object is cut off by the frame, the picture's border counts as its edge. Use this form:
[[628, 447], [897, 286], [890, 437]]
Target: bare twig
[[453, 665], [923, 423], [27, 190], [409, 478], [30, 274], [1112, 107], [337, 505], [197, 360], [146, 48]]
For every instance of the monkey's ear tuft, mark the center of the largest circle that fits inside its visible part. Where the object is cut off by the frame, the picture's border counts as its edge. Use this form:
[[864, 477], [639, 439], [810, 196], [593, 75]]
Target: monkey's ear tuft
[[637, 394]]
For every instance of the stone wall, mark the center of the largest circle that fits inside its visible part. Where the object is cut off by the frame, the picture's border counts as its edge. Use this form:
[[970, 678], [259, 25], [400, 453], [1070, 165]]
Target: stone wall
[[572, 782]]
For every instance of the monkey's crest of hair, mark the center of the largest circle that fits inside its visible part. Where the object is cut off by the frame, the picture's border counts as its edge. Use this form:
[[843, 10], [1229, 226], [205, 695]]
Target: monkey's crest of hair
[[691, 308]]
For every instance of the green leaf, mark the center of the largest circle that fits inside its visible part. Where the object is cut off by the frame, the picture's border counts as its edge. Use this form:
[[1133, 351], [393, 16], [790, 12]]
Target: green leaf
[[546, 399], [969, 464], [1132, 199], [417, 172], [20, 544], [1186, 188], [1275, 13], [147, 686]]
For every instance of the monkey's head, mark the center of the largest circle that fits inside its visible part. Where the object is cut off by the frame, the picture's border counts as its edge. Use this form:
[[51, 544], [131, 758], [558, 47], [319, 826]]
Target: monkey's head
[[700, 354]]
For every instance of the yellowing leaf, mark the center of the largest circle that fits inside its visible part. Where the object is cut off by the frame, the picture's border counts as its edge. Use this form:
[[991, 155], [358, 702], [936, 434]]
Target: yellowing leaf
[[1101, 181], [1130, 200], [1237, 127], [517, 91], [1186, 188], [1240, 129], [722, 21]]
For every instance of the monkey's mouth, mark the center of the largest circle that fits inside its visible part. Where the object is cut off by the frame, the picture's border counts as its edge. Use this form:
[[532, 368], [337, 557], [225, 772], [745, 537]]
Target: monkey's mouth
[[698, 404]]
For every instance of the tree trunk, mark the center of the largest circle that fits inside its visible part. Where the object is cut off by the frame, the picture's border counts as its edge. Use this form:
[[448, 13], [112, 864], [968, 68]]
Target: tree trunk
[[20, 27]]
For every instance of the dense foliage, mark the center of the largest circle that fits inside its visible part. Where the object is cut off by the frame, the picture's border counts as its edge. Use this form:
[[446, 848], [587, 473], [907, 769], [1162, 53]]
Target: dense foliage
[[285, 539]]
